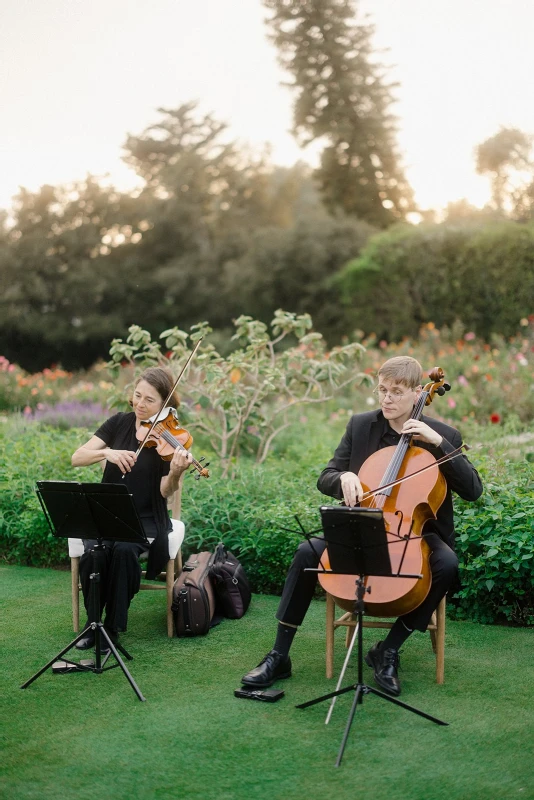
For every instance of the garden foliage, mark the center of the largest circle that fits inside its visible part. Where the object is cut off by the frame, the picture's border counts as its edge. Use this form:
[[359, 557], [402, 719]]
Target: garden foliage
[[495, 543], [491, 401], [243, 401], [29, 453]]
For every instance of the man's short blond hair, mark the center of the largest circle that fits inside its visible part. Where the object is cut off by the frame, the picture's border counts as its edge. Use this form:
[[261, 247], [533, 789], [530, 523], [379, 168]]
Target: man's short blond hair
[[402, 369]]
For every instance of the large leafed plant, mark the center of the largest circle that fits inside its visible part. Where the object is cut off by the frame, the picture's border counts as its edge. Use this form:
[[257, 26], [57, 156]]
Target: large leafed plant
[[247, 398]]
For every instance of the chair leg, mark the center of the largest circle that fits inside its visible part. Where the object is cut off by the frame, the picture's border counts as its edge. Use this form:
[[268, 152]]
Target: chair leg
[[330, 617], [432, 632], [440, 642], [351, 630], [75, 582], [170, 584]]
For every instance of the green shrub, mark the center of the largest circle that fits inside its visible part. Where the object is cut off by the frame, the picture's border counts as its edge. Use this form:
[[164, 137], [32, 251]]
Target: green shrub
[[29, 453], [255, 516], [495, 545]]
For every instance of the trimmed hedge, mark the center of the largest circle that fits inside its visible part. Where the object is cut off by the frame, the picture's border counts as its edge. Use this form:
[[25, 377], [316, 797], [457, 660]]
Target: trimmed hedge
[[482, 274]]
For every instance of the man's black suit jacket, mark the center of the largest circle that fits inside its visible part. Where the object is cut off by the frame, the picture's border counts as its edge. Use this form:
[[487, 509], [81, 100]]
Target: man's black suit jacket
[[361, 439]]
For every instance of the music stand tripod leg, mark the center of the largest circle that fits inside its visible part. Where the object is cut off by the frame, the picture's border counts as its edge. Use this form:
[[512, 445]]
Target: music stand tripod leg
[[52, 660], [97, 553], [120, 662]]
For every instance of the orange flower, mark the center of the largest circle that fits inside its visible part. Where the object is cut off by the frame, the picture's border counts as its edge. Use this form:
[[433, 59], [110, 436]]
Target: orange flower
[[235, 375]]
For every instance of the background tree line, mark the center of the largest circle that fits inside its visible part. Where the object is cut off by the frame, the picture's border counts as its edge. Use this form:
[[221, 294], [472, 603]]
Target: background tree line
[[217, 231]]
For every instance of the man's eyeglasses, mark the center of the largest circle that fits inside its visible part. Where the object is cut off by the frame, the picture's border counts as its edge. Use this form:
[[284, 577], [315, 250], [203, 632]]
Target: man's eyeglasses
[[394, 394]]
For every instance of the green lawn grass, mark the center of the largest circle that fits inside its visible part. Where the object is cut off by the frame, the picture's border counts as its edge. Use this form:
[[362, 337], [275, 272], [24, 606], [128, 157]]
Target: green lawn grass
[[85, 736]]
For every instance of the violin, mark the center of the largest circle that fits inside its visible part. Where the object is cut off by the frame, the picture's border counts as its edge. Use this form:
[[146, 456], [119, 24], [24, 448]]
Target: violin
[[167, 435], [407, 505]]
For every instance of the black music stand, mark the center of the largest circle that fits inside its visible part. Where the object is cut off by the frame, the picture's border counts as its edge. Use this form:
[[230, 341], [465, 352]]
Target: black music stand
[[357, 545], [91, 511]]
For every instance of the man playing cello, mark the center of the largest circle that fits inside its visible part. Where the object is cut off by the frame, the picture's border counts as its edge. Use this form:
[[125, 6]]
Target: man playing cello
[[400, 384]]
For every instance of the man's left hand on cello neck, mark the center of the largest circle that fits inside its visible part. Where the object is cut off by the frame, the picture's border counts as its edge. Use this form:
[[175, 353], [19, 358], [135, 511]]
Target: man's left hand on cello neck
[[420, 430]]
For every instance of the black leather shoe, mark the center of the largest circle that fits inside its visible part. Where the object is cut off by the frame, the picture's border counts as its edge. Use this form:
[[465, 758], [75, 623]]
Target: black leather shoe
[[385, 664], [88, 640], [274, 667]]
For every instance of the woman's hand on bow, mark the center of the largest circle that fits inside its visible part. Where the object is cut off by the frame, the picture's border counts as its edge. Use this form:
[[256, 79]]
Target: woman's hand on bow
[[124, 459]]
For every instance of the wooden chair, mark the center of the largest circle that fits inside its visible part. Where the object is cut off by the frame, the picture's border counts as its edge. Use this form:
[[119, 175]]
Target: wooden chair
[[172, 570], [436, 628]]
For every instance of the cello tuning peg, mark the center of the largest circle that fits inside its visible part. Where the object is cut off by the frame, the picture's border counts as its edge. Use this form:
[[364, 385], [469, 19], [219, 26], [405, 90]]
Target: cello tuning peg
[[197, 476], [201, 459], [207, 464]]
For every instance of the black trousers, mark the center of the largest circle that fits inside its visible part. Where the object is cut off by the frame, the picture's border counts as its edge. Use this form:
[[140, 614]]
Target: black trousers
[[120, 578], [300, 586]]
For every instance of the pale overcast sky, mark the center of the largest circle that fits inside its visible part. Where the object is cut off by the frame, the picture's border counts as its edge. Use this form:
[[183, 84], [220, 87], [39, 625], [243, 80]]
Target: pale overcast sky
[[76, 77]]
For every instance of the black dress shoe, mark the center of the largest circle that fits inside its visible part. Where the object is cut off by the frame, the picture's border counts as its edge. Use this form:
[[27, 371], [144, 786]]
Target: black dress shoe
[[274, 667], [385, 663], [86, 641]]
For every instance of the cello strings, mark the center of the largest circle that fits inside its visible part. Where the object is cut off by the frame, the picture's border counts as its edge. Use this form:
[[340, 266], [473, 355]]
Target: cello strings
[[437, 462], [402, 447], [395, 464]]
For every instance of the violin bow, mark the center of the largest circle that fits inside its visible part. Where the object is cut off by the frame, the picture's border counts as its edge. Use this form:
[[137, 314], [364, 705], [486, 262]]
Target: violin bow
[[177, 381]]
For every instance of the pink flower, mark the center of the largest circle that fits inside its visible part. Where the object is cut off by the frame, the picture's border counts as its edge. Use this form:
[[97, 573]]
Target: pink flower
[[451, 402], [470, 336], [462, 380]]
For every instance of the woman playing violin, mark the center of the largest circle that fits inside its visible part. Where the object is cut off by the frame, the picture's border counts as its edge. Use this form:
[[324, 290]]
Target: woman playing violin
[[399, 388], [150, 480]]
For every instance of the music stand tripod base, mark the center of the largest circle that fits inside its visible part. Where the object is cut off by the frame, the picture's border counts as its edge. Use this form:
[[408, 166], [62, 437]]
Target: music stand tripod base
[[381, 567], [96, 665], [98, 511]]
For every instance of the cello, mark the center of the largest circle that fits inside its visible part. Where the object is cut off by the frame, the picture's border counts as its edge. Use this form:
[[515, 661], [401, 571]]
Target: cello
[[406, 505]]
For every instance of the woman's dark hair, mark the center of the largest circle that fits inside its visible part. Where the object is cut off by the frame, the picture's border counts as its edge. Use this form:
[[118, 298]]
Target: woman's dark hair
[[162, 381]]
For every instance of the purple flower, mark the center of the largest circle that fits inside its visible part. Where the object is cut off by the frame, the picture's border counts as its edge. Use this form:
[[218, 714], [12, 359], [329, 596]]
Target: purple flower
[[71, 414]]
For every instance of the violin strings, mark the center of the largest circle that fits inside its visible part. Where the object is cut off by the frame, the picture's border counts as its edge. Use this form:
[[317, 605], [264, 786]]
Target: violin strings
[[170, 439]]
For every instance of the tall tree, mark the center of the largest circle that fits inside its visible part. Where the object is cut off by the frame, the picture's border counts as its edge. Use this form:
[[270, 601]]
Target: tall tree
[[507, 158], [64, 266], [342, 98]]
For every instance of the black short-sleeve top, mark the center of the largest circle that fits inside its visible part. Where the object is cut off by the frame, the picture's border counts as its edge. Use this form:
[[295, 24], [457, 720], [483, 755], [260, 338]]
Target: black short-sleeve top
[[119, 433]]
